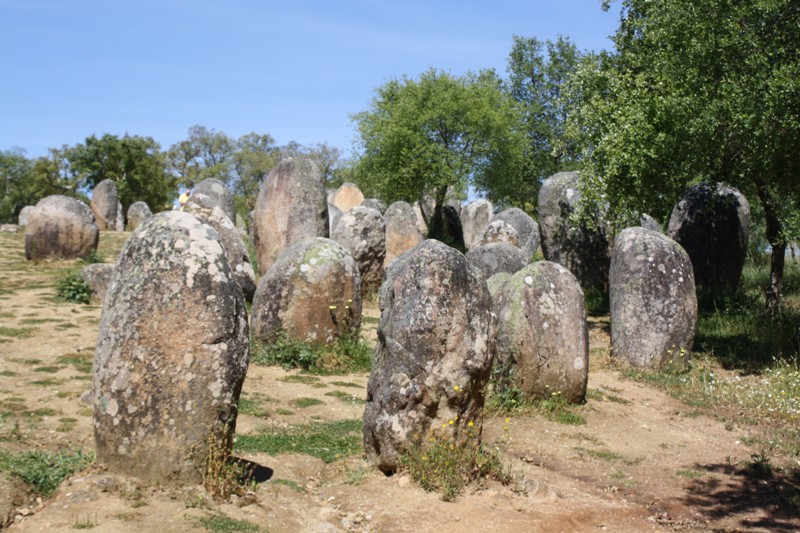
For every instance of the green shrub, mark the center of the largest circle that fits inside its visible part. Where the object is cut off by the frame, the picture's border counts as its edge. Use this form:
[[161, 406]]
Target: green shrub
[[345, 354], [73, 288]]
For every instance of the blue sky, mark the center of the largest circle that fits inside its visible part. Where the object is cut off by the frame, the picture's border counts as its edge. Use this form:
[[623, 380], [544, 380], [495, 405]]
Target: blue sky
[[295, 70]]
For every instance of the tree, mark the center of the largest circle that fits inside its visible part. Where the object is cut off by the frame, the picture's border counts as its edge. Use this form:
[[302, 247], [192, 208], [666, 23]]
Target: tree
[[697, 90], [537, 75], [205, 154], [15, 174], [255, 155], [423, 137], [135, 164]]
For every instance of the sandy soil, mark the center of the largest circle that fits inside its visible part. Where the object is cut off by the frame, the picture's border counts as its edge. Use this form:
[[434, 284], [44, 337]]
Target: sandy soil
[[642, 462]]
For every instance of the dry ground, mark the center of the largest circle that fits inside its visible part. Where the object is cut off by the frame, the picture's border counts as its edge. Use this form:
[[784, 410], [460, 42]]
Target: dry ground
[[642, 462]]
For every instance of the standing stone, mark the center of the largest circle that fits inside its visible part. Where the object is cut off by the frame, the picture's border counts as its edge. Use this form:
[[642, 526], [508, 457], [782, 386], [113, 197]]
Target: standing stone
[[98, 277], [334, 214], [347, 196], [217, 194], [104, 204], [60, 227], [312, 293], [291, 207], [24, 216], [434, 354], [119, 223], [137, 213], [203, 208], [712, 223], [474, 218], [527, 228], [542, 337], [362, 231], [497, 257], [402, 232], [499, 231], [653, 301], [648, 222], [172, 353], [375, 203], [582, 248]]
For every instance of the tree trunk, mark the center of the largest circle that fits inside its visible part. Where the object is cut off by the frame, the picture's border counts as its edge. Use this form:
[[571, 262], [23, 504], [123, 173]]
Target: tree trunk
[[777, 241]]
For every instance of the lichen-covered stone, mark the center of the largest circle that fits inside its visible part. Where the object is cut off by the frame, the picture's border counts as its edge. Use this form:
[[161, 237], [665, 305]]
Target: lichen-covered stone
[[648, 222], [375, 203], [653, 301], [712, 223], [362, 231], [402, 231], [105, 200], [542, 337], [204, 208], [119, 223], [98, 277], [172, 352], [312, 293], [137, 213], [347, 196], [24, 216], [434, 353], [60, 227], [527, 229], [497, 257], [581, 247], [474, 217], [216, 194], [291, 207], [499, 231]]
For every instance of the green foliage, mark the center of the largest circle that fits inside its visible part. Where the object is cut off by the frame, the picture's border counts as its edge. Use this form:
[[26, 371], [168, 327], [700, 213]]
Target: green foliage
[[328, 441], [345, 354], [220, 522], [557, 409], [44, 471], [73, 288], [440, 464], [436, 135]]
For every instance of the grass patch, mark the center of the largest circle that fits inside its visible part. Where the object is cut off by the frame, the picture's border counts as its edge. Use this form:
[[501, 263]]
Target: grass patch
[[16, 333], [288, 483], [689, 474], [284, 412], [327, 441], [300, 378], [50, 369], [49, 382], [343, 396], [252, 407], [346, 354], [218, 522], [604, 455], [29, 321], [370, 320], [8, 373], [347, 384], [304, 402], [82, 362], [44, 471]]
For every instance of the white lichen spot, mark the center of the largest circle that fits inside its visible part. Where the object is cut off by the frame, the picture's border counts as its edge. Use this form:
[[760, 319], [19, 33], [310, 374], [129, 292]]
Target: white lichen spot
[[113, 408], [529, 281], [188, 406], [188, 359], [313, 261], [662, 268], [304, 268], [579, 363]]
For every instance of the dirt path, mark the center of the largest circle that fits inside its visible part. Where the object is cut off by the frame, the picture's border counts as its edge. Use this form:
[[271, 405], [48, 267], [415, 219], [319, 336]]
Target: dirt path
[[642, 462]]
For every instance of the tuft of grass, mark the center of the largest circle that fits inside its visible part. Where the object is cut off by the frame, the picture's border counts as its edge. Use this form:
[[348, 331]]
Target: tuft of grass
[[219, 522], [347, 384], [288, 483], [346, 354], [222, 477], [300, 378], [44, 471], [343, 396], [328, 441], [16, 333], [604, 455], [82, 362], [303, 402], [72, 288]]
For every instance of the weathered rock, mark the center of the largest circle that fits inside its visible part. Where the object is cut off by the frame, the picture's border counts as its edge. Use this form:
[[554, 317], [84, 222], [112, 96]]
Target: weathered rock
[[451, 232], [497, 257], [217, 194], [375, 203], [434, 354], [60, 227], [653, 301], [291, 207], [542, 337], [24, 215], [495, 282], [311, 293], [582, 248], [119, 223], [499, 231], [334, 214], [712, 223], [402, 232], [98, 277], [172, 352], [648, 222], [105, 199], [362, 231], [137, 213], [202, 207], [474, 218], [347, 196], [527, 228]]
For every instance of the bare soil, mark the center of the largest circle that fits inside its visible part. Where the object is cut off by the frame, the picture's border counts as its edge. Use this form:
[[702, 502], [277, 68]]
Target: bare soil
[[643, 461]]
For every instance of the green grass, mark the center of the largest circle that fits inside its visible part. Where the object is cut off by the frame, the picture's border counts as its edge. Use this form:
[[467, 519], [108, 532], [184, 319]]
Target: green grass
[[44, 471], [219, 522], [300, 378], [29, 321], [288, 483], [347, 384], [344, 355], [82, 362], [327, 441], [603, 455], [304, 402], [345, 397], [50, 369], [252, 407], [17, 333]]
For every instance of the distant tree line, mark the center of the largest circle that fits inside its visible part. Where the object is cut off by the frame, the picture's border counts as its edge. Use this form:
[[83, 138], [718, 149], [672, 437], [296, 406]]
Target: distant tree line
[[142, 171]]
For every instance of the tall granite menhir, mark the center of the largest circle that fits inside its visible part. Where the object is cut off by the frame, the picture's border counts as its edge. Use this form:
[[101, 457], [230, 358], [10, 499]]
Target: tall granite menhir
[[434, 353], [712, 223], [291, 206], [172, 352]]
